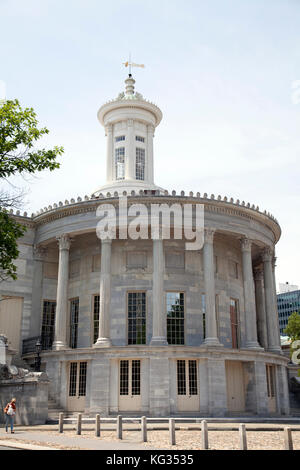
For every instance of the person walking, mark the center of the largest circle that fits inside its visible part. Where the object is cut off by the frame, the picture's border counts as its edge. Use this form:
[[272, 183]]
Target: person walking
[[10, 411]]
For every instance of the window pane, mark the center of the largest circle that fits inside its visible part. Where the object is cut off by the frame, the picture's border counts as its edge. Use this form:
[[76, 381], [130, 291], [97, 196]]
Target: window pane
[[96, 317], [124, 366], [120, 163], [48, 324], [175, 317], [136, 378], [181, 380], [193, 384], [73, 379], [140, 164], [74, 314], [137, 318]]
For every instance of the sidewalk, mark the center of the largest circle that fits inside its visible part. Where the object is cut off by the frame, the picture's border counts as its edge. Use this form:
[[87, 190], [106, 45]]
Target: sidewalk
[[64, 442]]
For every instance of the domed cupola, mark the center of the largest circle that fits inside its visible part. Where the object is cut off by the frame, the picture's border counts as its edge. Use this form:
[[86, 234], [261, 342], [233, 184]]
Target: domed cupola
[[129, 122]]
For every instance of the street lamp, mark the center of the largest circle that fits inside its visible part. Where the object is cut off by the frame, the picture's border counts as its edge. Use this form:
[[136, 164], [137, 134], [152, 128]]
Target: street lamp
[[38, 349]]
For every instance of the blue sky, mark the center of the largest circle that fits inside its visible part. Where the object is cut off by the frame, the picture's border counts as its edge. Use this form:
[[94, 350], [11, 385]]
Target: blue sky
[[221, 71]]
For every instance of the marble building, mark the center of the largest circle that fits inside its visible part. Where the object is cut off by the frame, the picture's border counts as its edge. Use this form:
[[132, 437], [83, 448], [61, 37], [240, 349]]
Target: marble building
[[146, 327]]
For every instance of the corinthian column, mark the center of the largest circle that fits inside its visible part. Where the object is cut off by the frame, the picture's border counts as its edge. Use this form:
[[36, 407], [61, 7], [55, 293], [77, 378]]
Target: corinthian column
[[103, 340], [60, 338], [159, 315], [211, 338], [261, 307], [271, 308], [249, 296]]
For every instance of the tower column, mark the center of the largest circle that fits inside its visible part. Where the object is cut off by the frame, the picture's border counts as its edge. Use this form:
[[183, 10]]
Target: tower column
[[261, 307], [103, 340], [211, 338], [130, 151], [109, 153], [249, 295], [159, 317], [60, 337], [271, 310], [149, 156]]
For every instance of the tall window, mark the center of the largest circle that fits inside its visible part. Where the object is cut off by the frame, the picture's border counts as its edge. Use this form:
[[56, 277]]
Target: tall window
[[175, 317], [120, 138], [137, 318], [234, 319], [74, 314], [140, 164], [120, 163], [48, 324], [96, 309], [139, 138]]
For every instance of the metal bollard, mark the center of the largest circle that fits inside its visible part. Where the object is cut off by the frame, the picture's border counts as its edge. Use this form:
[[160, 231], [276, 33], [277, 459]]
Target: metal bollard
[[172, 431], [243, 437], [119, 427], [204, 434], [288, 439], [61, 423], [79, 418], [144, 428], [97, 426]]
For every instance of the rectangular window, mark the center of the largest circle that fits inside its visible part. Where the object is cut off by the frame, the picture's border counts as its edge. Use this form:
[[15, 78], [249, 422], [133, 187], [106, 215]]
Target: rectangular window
[[120, 163], [74, 314], [136, 378], [73, 379], [137, 318], [193, 382], [48, 324], [124, 377], [82, 379], [175, 317], [120, 138], [140, 164], [181, 378], [234, 315], [139, 138], [96, 311]]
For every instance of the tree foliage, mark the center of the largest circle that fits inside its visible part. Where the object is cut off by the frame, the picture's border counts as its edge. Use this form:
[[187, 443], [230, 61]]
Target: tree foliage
[[293, 327], [19, 133]]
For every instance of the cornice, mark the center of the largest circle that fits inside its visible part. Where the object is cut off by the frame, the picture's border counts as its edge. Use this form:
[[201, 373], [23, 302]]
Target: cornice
[[212, 205]]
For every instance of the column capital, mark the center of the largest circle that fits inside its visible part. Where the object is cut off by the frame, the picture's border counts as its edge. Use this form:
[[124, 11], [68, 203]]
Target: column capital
[[258, 274], [267, 254], [246, 244], [150, 129], [106, 241], [64, 242], [130, 122], [209, 235]]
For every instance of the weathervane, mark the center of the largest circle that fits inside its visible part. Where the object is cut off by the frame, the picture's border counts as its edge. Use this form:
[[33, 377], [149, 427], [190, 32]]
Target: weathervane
[[132, 64]]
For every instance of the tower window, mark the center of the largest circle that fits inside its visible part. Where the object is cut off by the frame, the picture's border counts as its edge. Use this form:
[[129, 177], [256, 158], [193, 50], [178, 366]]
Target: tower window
[[120, 138], [139, 138], [120, 163], [140, 164]]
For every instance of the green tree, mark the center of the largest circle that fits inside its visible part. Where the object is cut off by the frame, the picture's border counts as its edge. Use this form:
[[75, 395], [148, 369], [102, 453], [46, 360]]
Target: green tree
[[293, 332], [19, 133]]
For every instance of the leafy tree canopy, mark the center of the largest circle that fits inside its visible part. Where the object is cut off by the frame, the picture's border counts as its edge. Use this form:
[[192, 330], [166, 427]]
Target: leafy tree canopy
[[19, 133]]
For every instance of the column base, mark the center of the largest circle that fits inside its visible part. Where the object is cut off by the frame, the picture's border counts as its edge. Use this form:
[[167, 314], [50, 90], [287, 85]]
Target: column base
[[59, 345], [159, 341], [212, 342], [253, 345], [274, 350], [102, 343]]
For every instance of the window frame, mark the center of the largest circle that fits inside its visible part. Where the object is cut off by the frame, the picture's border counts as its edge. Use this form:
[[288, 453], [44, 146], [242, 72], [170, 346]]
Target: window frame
[[127, 315], [184, 315]]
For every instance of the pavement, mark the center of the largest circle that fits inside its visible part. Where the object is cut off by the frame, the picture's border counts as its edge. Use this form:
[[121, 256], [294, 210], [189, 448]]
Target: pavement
[[46, 437]]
